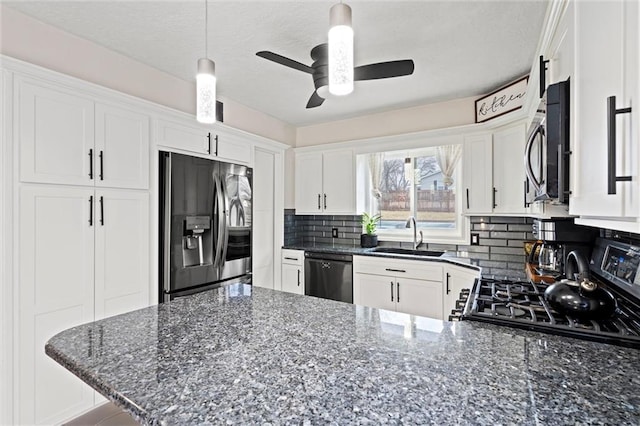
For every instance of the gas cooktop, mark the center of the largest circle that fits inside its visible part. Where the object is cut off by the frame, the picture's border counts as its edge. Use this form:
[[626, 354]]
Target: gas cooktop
[[522, 304]]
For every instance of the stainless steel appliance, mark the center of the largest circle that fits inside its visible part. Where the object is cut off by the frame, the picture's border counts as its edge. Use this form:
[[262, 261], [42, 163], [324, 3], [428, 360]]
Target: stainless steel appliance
[[556, 238], [614, 265], [329, 276], [546, 157], [205, 224]]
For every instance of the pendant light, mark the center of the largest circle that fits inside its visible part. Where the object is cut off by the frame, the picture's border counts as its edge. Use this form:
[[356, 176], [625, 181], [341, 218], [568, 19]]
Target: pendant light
[[340, 50], [206, 82]]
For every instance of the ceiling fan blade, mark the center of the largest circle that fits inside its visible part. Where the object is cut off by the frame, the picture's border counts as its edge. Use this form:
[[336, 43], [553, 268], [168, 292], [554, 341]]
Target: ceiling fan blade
[[315, 100], [383, 70], [285, 61]]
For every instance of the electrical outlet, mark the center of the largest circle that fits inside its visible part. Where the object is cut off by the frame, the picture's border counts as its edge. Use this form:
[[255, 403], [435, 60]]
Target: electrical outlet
[[475, 239], [334, 232]]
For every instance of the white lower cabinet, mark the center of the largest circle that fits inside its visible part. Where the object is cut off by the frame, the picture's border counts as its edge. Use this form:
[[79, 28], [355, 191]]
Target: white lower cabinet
[[415, 287], [293, 271], [83, 255], [456, 278], [409, 286]]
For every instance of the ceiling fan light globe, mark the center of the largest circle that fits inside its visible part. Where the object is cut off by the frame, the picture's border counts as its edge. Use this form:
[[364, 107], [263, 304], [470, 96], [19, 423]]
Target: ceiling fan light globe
[[340, 60], [206, 91]]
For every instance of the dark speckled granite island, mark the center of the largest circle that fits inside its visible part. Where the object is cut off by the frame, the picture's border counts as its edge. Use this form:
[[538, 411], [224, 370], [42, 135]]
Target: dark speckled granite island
[[243, 355]]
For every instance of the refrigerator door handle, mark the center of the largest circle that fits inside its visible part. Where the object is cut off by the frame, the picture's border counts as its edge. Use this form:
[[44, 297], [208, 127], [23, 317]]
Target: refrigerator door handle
[[219, 213], [225, 207]]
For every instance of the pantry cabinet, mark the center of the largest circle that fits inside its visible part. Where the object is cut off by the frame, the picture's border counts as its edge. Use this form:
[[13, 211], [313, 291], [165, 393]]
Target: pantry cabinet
[[494, 176], [66, 138], [325, 182], [83, 256], [293, 271], [605, 162]]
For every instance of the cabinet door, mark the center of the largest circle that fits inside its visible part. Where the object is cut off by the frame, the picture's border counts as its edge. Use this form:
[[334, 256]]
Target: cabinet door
[[231, 148], [599, 74], [292, 278], [338, 182], [477, 174], [456, 279], [122, 251], [561, 52], [179, 136], [375, 291], [122, 148], [419, 297], [508, 170], [56, 251], [308, 183], [55, 132]]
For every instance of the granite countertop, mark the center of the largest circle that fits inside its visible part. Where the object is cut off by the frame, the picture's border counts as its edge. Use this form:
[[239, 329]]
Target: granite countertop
[[247, 355], [448, 257]]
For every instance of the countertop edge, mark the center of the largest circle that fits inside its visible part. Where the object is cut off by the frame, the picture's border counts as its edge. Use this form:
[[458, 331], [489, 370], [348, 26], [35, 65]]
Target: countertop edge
[[358, 251]]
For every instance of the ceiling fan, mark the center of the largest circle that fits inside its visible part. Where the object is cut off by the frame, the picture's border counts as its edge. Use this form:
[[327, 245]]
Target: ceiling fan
[[319, 69]]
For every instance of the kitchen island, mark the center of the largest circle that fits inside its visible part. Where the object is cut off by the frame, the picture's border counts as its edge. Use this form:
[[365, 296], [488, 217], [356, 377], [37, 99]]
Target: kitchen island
[[247, 355]]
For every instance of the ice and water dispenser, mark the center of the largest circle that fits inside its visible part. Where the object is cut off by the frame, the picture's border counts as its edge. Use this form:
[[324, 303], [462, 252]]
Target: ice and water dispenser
[[197, 245]]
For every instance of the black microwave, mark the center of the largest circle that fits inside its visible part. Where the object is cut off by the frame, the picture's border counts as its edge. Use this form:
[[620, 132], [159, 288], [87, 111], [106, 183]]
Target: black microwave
[[546, 156]]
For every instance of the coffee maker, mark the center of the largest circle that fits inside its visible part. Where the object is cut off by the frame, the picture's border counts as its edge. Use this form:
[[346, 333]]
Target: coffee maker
[[556, 239]]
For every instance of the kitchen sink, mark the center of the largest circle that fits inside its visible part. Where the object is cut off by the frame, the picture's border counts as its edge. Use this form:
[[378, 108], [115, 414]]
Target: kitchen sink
[[408, 252]]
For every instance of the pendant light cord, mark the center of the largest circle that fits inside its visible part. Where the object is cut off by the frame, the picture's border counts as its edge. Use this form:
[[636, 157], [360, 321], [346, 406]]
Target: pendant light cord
[[206, 25]]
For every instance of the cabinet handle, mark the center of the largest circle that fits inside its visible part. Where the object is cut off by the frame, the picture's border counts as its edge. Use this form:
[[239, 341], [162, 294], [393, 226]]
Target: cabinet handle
[[101, 165], [209, 143], [448, 276], [525, 190], [543, 75], [298, 277], [91, 164], [392, 291], [319, 202], [494, 197], [101, 210], [611, 139], [467, 198], [325, 201], [397, 292], [395, 270], [216, 145], [291, 258], [90, 210]]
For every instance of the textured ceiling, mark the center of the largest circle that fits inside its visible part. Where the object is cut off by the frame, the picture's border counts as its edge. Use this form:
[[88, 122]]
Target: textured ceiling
[[460, 48]]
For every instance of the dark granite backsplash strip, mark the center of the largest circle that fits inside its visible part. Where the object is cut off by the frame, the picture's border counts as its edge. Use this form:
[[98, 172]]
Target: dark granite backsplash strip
[[500, 253]]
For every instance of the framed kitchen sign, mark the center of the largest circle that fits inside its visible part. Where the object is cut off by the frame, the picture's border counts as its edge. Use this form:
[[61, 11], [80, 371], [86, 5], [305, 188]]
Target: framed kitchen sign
[[506, 99]]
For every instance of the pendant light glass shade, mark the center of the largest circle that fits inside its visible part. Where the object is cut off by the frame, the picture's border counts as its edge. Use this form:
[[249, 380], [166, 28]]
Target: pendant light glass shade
[[340, 50], [206, 91]]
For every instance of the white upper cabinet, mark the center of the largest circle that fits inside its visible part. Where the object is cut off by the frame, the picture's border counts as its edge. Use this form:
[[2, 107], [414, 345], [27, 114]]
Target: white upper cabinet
[[478, 177], [494, 176], [605, 166], [122, 148], [325, 183], [508, 170], [211, 141], [55, 129], [65, 138]]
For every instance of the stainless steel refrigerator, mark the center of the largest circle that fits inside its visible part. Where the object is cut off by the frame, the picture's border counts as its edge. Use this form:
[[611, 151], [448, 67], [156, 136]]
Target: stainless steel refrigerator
[[205, 224]]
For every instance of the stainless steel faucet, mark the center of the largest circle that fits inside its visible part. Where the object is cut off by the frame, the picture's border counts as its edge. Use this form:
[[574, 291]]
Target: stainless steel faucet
[[410, 221]]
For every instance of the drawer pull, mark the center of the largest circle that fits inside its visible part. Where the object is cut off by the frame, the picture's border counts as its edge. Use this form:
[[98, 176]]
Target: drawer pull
[[395, 270], [291, 258]]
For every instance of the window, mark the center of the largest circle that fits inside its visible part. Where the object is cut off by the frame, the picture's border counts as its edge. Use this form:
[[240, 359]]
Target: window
[[423, 184]]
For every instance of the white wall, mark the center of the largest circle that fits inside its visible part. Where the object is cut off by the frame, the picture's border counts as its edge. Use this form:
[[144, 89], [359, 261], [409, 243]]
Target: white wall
[[408, 120], [33, 41]]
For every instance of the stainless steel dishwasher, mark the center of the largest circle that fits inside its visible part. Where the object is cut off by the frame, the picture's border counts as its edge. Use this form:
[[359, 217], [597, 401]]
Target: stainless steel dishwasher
[[329, 276]]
